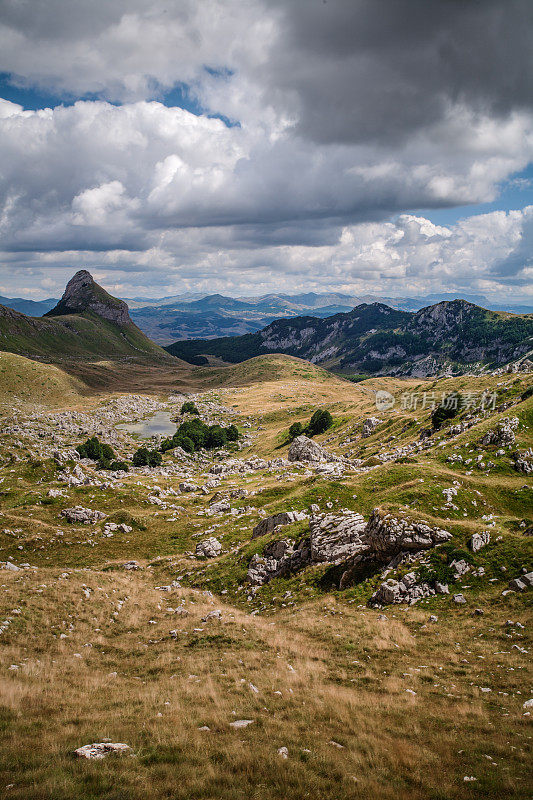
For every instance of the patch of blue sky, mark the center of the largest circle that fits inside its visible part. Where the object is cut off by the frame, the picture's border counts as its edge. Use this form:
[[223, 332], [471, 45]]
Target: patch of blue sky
[[32, 97]]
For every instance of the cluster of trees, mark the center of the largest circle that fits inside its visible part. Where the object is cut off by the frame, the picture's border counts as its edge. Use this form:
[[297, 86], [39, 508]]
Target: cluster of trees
[[319, 422], [193, 435], [189, 408], [144, 457], [103, 454]]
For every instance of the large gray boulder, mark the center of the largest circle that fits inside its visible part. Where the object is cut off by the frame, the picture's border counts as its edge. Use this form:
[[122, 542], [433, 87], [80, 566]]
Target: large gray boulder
[[268, 524], [83, 516], [387, 535], [369, 426], [336, 537], [209, 548], [503, 433], [305, 449]]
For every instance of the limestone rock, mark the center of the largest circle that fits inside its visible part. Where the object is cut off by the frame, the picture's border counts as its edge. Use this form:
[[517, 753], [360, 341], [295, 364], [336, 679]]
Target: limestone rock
[[336, 537], [479, 540], [503, 433], [388, 535], [209, 548], [99, 750], [84, 516], [268, 524], [305, 449], [369, 426]]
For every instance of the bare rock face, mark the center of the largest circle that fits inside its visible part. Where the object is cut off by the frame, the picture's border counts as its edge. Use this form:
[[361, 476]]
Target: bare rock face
[[503, 434], [268, 524], [387, 535], [523, 461], [82, 293], [279, 558], [305, 449], [85, 516], [336, 537], [369, 426], [209, 548]]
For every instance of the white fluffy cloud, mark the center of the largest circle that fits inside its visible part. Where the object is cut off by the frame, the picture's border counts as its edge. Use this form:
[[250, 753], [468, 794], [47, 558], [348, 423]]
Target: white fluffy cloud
[[348, 117]]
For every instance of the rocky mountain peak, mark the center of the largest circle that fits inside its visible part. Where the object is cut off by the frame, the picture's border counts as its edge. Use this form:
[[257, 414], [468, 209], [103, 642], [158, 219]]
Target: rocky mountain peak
[[82, 293]]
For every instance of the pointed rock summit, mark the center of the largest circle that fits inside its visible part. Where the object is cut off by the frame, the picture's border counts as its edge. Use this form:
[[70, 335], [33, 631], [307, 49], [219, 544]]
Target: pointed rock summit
[[84, 294]]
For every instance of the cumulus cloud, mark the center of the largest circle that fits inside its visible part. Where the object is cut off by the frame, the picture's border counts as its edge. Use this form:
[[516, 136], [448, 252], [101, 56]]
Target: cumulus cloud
[[349, 114]]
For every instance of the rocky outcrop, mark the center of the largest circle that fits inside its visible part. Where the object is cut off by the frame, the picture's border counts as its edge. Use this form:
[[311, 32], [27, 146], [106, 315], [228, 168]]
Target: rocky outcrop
[[369, 426], [83, 516], [268, 524], [336, 537], [523, 461], [502, 434], [279, 558], [388, 535], [345, 538], [407, 590], [82, 293], [479, 540], [305, 449], [209, 548]]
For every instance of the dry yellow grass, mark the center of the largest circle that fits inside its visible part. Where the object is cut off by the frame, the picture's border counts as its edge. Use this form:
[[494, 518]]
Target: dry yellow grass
[[331, 682]]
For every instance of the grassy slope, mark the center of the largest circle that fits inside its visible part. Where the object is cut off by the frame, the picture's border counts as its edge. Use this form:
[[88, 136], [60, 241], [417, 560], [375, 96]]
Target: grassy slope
[[29, 381], [76, 336], [343, 672]]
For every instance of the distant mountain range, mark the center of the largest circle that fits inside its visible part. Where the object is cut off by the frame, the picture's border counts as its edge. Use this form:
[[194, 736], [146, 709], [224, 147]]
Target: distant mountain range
[[196, 315], [377, 339]]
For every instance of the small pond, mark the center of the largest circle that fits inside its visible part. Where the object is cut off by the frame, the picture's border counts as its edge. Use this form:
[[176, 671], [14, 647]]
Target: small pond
[[158, 424]]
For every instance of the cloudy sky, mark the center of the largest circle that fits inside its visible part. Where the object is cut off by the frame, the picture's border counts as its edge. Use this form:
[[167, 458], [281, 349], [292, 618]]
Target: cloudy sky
[[249, 146]]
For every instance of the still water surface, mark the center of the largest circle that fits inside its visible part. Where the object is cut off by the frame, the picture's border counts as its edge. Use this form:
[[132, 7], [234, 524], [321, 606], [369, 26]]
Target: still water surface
[[156, 424]]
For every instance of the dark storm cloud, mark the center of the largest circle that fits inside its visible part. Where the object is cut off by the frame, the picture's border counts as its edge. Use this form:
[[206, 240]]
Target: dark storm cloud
[[362, 70]]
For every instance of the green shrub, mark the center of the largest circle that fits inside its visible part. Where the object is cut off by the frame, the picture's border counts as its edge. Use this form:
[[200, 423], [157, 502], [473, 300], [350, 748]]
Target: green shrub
[[146, 458], [189, 408], [232, 433], [119, 465], [97, 451], [448, 409], [216, 437], [295, 430], [319, 422], [527, 393], [185, 443]]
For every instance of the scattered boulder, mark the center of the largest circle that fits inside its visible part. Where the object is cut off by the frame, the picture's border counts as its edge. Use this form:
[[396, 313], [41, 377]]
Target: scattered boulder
[[369, 426], [479, 540], [459, 599], [268, 524], [305, 449], [522, 583], [84, 516], [523, 461], [99, 750], [503, 433], [405, 591], [209, 548]]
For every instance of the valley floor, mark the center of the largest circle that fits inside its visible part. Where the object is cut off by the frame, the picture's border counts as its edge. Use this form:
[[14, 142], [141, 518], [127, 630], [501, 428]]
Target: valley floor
[[336, 699]]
